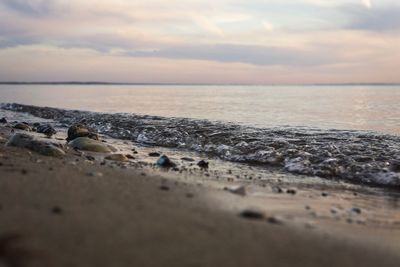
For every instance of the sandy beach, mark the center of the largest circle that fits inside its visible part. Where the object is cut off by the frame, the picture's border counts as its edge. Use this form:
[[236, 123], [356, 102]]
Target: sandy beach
[[72, 211]]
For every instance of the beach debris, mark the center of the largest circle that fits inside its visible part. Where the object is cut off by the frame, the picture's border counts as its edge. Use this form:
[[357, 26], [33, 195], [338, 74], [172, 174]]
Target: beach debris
[[88, 144], [3, 120], [117, 157], [22, 126], [203, 164], [154, 154], [80, 130], [46, 129], [291, 191], [238, 190], [165, 162], [252, 214], [42, 147]]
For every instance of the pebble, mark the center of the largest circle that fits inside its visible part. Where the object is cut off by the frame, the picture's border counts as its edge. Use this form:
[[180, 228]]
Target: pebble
[[28, 141], [117, 157], [3, 120], [203, 164], [164, 188], [252, 214], [22, 126], [46, 129], [324, 194], [277, 189], [154, 154], [238, 190], [187, 159], [291, 191], [274, 220], [56, 210], [165, 162], [356, 210], [80, 130], [85, 143]]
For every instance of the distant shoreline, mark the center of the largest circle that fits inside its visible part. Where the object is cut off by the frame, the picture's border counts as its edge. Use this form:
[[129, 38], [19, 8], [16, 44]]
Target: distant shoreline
[[193, 84]]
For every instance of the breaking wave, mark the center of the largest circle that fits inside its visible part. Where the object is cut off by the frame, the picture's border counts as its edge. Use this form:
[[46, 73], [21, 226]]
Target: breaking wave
[[360, 157]]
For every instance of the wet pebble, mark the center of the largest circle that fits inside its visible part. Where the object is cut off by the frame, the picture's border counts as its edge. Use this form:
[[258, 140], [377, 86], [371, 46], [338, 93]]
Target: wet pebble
[[324, 194], [3, 120], [165, 162], [277, 189], [22, 126], [80, 130], [46, 129]]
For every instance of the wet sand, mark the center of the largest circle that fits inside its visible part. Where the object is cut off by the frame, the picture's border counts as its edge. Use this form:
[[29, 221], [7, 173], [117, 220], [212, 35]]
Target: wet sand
[[78, 212]]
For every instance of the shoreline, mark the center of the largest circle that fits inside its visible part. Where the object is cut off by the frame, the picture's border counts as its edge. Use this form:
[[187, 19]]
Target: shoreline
[[74, 211]]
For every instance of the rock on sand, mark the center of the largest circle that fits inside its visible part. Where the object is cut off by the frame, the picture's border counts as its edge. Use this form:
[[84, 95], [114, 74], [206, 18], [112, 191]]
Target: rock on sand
[[28, 141], [85, 143]]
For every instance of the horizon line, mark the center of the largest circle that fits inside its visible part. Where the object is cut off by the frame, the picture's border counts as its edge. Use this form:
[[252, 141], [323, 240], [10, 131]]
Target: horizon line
[[192, 84]]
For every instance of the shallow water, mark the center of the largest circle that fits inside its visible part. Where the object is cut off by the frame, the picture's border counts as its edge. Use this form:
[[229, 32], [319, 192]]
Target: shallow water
[[371, 108], [358, 157]]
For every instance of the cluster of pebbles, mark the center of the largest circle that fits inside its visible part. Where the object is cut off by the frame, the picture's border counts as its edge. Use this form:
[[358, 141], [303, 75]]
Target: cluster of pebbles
[[359, 157]]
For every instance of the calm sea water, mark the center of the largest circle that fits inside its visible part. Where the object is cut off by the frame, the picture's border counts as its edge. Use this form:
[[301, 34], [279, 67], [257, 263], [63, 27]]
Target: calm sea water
[[374, 108]]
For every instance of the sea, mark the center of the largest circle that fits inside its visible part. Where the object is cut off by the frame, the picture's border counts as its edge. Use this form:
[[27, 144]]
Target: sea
[[344, 132]]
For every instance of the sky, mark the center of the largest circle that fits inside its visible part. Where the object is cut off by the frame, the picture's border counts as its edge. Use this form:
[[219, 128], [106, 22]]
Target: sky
[[201, 41]]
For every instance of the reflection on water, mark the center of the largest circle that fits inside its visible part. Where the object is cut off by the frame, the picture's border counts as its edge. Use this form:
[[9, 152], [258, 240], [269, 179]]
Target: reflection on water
[[340, 107]]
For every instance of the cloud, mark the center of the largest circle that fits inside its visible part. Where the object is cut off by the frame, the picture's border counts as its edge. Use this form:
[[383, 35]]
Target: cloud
[[379, 18], [250, 54]]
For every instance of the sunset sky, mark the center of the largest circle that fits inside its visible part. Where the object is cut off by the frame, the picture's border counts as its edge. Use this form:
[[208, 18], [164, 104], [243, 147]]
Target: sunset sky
[[200, 41]]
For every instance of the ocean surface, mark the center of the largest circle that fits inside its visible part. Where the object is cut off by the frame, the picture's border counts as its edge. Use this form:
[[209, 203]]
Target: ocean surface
[[371, 108], [348, 133]]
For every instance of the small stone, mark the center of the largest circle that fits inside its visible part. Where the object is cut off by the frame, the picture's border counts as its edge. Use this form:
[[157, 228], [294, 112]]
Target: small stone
[[24, 171], [85, 143], [80, 130], [22, 126], [56, 210], [28, 141], [91, 158], [3, 120], [238, 190], [324, 194], [129, 156], [46, 129], [203, 164], [277, 189], [356, 210], [252, 215], [164, 188], [187, 159], [117, 157], [95, 174], [274, 220], [154, 154], [291, 191], [165, 162]]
